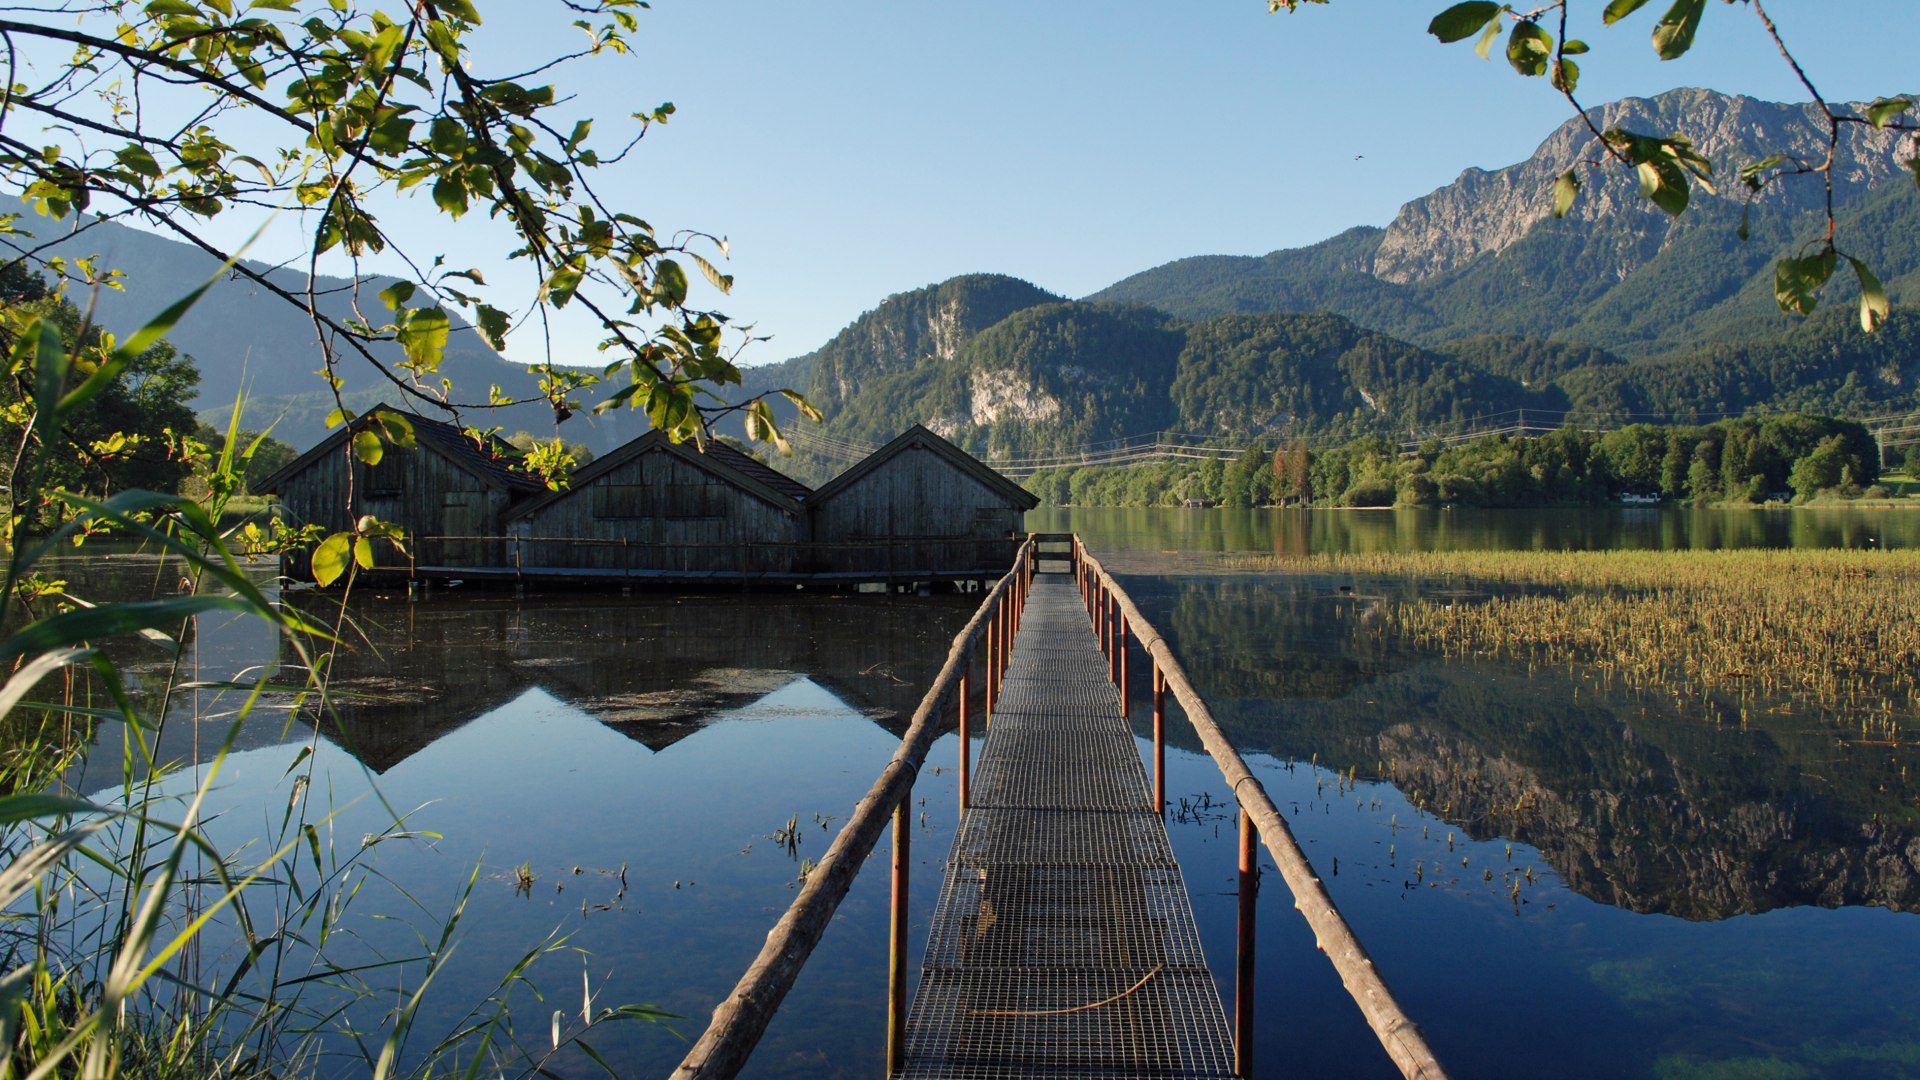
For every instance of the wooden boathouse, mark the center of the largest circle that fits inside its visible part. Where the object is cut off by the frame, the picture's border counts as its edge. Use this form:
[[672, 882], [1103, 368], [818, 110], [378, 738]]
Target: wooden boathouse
[[938, 510], [450, 487], [917, 512]]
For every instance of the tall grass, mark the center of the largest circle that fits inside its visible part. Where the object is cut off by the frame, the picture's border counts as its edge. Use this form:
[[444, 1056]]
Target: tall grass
[[131, 944], [1830, 632]]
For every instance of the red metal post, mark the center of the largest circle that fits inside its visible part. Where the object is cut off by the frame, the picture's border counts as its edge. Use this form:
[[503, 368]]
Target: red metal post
[[993, 643], [966, 735], [1243, 965], [897, 942], [1159, 739]]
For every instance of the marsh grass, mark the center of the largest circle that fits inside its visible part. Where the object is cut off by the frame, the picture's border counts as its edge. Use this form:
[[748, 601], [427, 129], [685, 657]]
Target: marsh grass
[[1829, 633], [131, 944]]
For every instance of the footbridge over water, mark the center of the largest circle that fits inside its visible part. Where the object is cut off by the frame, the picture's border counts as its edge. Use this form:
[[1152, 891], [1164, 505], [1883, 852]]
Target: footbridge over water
[[1063, 944]]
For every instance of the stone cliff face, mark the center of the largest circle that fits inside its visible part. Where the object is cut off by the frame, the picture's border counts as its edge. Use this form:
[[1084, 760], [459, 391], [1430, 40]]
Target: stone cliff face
[[1484, 212], [911, 328]]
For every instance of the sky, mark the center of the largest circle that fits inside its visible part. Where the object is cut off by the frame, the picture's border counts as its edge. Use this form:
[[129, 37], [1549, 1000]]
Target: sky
[[851, 149]]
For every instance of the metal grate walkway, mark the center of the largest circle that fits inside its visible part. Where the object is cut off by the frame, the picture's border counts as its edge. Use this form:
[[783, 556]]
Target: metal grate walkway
[[1063, 944]]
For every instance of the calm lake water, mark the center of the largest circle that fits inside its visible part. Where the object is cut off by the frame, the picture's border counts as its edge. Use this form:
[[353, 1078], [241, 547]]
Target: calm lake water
[[1556, 879]]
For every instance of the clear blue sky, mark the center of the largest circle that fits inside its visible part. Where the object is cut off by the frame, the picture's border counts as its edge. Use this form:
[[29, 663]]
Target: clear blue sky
[[854, 148]]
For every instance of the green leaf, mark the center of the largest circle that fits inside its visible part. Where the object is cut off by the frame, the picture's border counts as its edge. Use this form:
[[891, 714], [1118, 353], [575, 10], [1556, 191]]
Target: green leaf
[[669, 284], [1529, 48], [86, 624], [367, 448], [450, 195], [1484, 47], [806, 407], [1873, 297], [1674, 34], [424, 337], [330, 558], [1566, 76], [1797, 282], [492, 326], [137, 159], [363, 552], [1620, 9], [399, 429], [396, 295], [1573, 47], [1565, 187], [338, 417], [1462, 21], [1886, 109], [561, 286], [723, 282], [18, 808]]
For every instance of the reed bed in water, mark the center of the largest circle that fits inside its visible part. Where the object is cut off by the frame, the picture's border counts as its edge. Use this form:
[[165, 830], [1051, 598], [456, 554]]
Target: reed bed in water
[[1834, 629]]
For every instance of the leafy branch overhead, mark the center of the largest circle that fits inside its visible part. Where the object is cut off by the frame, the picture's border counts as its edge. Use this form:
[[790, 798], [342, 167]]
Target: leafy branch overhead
[[174, 112], [1667, 167]]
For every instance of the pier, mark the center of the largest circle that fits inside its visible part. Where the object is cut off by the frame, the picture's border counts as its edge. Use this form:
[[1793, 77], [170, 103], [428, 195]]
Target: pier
[[1063, 943]]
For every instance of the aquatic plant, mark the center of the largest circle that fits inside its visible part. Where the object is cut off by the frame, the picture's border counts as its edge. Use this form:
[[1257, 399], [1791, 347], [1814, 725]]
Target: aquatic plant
[[1830, 633]]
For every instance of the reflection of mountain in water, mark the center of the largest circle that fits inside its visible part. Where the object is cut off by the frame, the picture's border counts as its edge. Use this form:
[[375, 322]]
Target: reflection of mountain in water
[[1636, 800], [655, 669]]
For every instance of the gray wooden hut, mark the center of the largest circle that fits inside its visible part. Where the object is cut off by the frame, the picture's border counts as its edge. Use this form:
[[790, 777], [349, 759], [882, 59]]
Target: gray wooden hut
[[918, 505], [657, 508], [449, 492]]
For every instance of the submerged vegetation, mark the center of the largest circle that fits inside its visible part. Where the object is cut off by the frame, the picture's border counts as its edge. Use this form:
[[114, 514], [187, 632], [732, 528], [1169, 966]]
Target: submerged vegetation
[[1828, 632]]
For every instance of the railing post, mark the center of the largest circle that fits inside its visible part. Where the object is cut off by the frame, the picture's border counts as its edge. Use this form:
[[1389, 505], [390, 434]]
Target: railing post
[[897, 940], [1121, 650], [1159, 739], [966, 736], [993, 646], [1243, 960]]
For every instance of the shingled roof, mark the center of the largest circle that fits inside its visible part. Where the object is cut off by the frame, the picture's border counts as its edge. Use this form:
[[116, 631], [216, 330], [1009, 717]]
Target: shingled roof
[[733, 466], [489, 458]]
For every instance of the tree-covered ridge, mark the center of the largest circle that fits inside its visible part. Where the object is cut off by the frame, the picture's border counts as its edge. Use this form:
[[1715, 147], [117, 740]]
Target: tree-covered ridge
[[1746, 460]]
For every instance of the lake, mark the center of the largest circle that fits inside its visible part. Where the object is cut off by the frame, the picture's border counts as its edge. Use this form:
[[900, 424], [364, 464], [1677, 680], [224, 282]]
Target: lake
[[1555, 876]]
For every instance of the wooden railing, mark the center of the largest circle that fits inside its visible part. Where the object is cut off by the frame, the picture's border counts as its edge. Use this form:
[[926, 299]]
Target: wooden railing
[[1116, 617], [741, 1019]]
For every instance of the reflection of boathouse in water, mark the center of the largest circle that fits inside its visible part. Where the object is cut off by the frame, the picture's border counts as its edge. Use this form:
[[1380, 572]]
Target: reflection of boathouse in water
[[918, 510]]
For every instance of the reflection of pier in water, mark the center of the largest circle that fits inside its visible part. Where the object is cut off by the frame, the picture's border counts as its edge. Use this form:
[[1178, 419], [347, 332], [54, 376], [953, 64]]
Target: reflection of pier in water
[[654, 669]]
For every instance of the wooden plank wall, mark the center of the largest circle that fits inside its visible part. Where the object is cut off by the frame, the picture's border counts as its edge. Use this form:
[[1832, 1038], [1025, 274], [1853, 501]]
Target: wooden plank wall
[[658, 512], [421, 489], [948, 519]]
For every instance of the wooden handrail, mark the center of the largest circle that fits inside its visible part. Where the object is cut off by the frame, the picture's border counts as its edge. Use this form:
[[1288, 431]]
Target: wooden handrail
[[1396, 1032], [741, 1019]]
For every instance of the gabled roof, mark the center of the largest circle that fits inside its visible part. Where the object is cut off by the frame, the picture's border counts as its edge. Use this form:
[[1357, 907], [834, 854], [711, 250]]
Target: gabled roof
[[719, 459], [760, 470], [489, 461], [918, 437]]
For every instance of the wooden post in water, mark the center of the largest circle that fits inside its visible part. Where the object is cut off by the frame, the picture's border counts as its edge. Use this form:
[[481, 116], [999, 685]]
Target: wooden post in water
[[897, 940], [1159, 740], [966, 736], [1243, 960]]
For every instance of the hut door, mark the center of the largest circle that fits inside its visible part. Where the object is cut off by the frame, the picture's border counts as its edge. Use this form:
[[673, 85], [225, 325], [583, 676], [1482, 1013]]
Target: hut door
[[461, 519]]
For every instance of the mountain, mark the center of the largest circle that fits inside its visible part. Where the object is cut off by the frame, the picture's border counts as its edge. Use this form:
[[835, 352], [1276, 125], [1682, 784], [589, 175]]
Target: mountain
[[1485, 255], [1474, 301], [241, 335]]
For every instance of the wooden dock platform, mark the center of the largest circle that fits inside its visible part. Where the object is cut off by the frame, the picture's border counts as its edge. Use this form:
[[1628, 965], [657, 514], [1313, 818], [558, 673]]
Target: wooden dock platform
[[1063, 944]]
